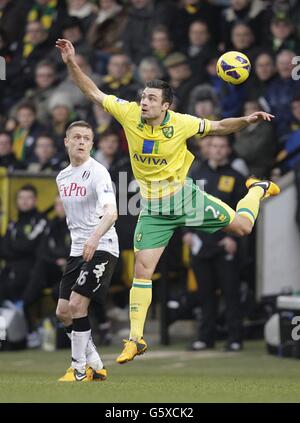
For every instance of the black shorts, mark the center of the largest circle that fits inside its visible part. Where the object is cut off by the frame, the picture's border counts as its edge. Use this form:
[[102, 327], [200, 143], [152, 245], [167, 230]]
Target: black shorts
[[90, 279]]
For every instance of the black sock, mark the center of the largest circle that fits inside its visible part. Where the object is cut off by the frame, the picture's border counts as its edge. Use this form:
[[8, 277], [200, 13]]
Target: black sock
[[82, 324], [69, 329]]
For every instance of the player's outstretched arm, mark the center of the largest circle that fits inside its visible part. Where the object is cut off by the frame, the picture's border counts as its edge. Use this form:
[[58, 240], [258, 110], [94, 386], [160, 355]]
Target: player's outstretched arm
[[231, 125], [87, 86], [109, 217]]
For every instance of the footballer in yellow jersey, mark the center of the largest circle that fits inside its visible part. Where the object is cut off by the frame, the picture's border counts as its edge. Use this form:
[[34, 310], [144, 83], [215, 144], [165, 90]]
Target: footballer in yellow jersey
[[157, 153], [160, 161]]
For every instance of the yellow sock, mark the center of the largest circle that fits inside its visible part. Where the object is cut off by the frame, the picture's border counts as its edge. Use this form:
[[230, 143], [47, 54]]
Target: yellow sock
[[249, 205], [140, 300]]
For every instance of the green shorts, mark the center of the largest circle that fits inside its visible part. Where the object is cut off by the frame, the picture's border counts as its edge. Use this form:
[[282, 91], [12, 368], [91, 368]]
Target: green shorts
[[190, 207]]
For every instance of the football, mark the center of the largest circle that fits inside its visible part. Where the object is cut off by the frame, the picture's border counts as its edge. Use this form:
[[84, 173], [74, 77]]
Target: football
[[233, 67]]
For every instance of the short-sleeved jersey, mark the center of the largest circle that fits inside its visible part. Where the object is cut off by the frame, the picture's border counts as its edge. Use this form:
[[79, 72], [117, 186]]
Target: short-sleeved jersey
[[84, 191], [159, 155]]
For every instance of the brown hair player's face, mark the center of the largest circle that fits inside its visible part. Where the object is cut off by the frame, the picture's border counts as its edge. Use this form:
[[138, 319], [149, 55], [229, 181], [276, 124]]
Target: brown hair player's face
[[79, 142], [152, 105]]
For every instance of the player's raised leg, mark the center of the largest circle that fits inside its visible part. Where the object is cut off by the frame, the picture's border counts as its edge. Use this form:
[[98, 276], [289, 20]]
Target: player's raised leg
[[248, 207], [140, 300]]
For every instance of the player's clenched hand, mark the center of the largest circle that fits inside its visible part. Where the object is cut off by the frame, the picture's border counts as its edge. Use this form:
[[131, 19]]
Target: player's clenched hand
[[89, 248], [66, 48], [257, 116]]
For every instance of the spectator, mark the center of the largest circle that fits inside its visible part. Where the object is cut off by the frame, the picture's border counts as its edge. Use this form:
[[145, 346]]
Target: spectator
[[180, 78], [51, 14], [20, 244], [45, 81], [61, 116], [214, 256], [200, 46], [67, 87], [7, 157], [107, 148], [101, 120], [281, 91], [46, 158], [83, 10], [295, 122], [109, 155], [119, 80], [149, 69], [106, 30], [288, 158], [34, 48], [264, 73], [190, 11], [231, 97], [12, 20], [118, 164], [256, 144], [282, 35], [26, 131], [142, 17], [72, 31], [252, 12], [242, 39], [204, 103], [51, 261], [161, 43]]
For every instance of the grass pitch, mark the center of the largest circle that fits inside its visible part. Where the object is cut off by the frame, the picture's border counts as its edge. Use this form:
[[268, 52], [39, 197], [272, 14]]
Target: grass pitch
[[161, 375]]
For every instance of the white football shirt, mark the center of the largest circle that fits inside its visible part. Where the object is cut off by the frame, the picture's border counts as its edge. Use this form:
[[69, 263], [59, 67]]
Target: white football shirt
[[84, 191]]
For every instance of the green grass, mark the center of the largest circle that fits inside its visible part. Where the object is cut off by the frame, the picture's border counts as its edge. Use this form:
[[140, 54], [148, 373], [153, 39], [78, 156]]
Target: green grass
[[164, 375]]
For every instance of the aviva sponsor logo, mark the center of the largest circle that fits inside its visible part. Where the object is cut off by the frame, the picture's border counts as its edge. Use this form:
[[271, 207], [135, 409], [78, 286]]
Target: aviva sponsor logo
[[150, 160]]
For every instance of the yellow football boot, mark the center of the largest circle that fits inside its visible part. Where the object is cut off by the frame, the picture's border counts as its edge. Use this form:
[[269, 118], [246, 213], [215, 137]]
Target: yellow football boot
[[73, 375], [131, 349], [96, 375], [68, 376], [270, 188]]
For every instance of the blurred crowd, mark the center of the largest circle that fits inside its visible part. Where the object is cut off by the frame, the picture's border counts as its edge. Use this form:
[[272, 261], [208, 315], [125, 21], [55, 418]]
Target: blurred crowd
[[121, 44]]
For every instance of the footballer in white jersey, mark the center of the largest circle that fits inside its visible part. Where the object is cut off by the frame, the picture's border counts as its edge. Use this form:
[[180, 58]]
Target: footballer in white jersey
[[85, 188]]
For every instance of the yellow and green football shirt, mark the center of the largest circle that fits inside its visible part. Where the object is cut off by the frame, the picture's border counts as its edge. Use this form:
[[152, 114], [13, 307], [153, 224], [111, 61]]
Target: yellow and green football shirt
[[159, 156]]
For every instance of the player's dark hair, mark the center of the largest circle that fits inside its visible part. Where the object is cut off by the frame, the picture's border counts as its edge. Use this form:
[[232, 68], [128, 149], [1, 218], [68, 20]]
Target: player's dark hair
[[80, 124], [167, 92], [29, 187]]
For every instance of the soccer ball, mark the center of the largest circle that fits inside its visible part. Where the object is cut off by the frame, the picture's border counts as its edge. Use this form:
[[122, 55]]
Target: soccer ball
[[233, 67]]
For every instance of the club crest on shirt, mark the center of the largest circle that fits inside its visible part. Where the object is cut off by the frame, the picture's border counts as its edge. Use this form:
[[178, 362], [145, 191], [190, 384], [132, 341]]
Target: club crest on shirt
[[86, 175], [141, 126], [168, 131]]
